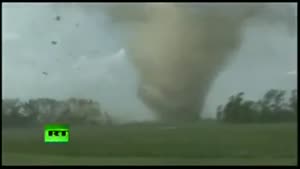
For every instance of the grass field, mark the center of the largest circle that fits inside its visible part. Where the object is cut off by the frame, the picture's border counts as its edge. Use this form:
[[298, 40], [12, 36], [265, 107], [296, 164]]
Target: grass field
[[196, 144]]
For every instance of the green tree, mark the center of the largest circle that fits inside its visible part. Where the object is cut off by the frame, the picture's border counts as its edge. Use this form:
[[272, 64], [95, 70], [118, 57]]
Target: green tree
[[294, 100], [248, 113], [232, 108], [271, 108]]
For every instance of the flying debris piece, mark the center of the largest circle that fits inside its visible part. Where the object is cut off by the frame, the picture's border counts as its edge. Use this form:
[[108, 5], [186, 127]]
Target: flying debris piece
[[77, 25], [57, 18], [53, 42], [45, 73]]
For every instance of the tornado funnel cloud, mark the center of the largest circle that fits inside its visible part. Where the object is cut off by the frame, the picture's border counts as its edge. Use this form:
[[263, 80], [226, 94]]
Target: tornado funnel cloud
[[179, 50]]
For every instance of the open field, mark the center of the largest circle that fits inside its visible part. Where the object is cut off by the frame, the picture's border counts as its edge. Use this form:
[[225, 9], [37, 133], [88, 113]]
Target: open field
[[29, 159], [197, 144]]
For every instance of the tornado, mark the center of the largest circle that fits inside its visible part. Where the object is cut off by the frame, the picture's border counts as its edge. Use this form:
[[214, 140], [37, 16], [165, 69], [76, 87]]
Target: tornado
[[178, 51]]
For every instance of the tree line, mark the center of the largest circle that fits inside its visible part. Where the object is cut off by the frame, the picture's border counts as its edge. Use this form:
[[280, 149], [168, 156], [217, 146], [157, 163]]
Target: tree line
[[273, 107], [34, 112]]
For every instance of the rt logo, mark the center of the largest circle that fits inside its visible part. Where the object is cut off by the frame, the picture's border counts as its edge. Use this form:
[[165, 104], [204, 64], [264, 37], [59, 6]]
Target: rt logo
[[56, 133]]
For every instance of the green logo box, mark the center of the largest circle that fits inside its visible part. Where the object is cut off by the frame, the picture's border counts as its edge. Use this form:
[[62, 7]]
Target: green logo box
[[56, 133]]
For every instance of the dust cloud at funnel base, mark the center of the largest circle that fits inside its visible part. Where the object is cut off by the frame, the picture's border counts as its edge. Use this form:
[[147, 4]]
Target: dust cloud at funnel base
[[178, 52]]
